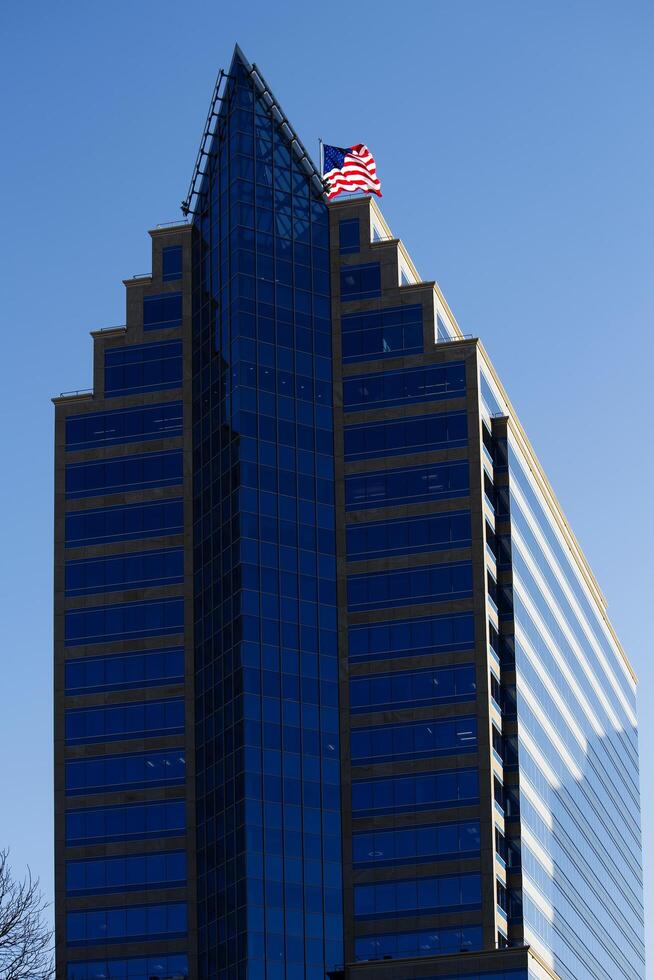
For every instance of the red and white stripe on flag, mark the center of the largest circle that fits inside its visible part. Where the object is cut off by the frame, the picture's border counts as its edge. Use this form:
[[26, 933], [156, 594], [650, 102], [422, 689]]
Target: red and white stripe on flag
[[357, 173]]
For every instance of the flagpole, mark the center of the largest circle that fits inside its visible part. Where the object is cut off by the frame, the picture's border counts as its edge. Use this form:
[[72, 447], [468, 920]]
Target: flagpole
[[322, 156]]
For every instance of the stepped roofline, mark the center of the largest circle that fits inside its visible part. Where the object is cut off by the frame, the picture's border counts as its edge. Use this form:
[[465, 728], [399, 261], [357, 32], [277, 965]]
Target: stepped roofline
[[368, 205]]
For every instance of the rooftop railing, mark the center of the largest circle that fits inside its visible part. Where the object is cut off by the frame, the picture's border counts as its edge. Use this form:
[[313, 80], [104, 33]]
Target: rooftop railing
[[173, 224], [73, 394]]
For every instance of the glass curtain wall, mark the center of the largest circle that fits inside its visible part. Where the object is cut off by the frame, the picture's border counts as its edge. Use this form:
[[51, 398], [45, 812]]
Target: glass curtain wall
[[269, 875]]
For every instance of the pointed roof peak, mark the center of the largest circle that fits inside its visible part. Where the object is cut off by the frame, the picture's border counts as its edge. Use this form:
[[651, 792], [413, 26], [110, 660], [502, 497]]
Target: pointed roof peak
[[239, 55], [239, 65]]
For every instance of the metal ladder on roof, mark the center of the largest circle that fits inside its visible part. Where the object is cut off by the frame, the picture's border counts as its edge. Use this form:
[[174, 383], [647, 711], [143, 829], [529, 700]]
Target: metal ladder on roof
[[210, 130]]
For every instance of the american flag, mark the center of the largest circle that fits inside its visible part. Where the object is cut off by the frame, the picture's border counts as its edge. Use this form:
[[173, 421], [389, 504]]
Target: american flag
[[351, 169]]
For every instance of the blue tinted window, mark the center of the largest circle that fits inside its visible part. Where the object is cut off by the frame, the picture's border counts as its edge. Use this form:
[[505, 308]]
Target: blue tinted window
[[360, 281], [131, 923], [268, 616], [115, 573], [110, 773], [430, 942], [442, 331], [124, 425], [123, 473], [113, 722], [410, 845], [413, 484], [412, 688], [285, 384], [152, 519], [392, 437], [415, 792], [136, 821], [172, 967], [493, 975], [163, 311], [420, 896], [411, 637], [118, 672], [142, 367], [127, 621], [286, 435], [487, 395], [433, 532], [171, 260], [133, 873], [348, 236], [413, 740], [381, 333], [421, 384], [409, 586]]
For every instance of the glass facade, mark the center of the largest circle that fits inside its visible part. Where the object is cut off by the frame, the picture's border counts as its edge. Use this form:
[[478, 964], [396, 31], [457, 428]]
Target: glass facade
[[396, 566], [139, 368], [348, 236], [151, 519], [360, 281], [381, 333], [413, 740], [413, 688], [407, 485], [133, 821], [577, 836], [110, 723], [123, 425], [138, 923], [173, 967], [417, 896], [162, 312], [382, 640], [125, 883], [268, 827], [582, 882], [119, 573], [139, 770], [396, 437], [121, 874], [171, 263], [125, 621], [151, 668], [397, 387], [409, 845], [411, 535], [426, 943], [123, 474], [411, 793], [406, 586], [334, 684]]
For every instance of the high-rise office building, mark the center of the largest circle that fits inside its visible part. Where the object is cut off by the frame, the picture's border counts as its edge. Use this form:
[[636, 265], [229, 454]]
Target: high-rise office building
[[335, 688]]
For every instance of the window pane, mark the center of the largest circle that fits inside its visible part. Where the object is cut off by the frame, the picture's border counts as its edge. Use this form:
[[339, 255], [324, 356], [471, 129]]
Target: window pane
[[126, 621], [348, 236], [162, 312], [124, 425], [106, 524], [119, 925], [171, 259], [142, 367], [412, 484]]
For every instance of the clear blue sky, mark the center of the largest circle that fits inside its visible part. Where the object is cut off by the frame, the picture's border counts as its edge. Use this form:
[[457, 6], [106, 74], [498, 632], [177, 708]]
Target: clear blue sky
[[515, 143]]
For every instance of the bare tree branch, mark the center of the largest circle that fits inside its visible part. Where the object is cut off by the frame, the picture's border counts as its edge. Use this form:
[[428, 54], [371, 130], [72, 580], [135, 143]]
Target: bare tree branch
[[25, 939]]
